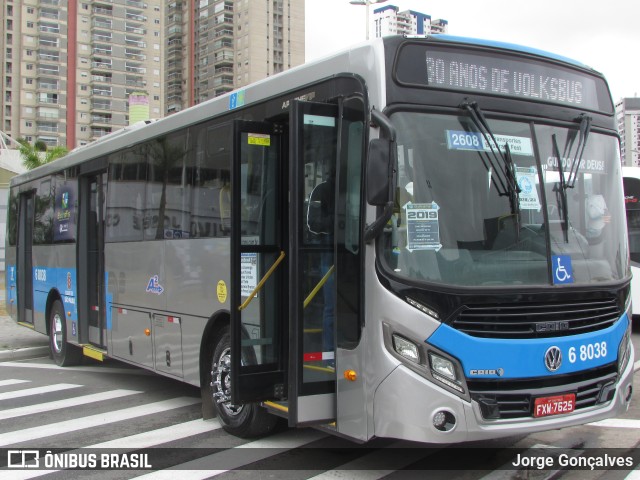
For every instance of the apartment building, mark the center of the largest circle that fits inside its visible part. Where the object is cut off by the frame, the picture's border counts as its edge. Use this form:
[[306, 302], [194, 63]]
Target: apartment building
[[215, 46], [70, 68], [389, 20], [628, 116]]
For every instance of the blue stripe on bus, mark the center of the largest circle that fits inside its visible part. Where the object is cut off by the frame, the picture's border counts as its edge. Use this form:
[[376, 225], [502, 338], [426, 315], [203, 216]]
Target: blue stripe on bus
[[108, 301], [524, 358], [63, 280]]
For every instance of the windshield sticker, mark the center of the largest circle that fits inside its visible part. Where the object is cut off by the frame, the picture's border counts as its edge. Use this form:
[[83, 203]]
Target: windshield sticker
[[586, 166], [562, 269], [423, 228], [248, 273], [260, 139], [528, 196], [475, 141]]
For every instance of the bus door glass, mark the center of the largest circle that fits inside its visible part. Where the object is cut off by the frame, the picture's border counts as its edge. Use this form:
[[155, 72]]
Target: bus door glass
[[312, 264], [258, 264], [25, 259], [91, 257]]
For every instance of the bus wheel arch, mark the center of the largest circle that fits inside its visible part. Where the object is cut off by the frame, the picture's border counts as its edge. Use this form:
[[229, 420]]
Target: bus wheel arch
[[63, 353], [245, 420], [216, 323]]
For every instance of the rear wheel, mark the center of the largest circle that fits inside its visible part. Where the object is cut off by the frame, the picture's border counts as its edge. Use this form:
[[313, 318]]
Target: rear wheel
[[63, 353], [245, 420]]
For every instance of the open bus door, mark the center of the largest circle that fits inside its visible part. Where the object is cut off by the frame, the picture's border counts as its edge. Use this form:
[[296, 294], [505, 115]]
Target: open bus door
[[296, 286], [24, 260], [91, 276], [259, 285]]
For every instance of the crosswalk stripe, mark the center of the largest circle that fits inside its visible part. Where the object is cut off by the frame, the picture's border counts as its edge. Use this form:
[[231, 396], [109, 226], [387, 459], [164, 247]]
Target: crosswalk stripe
[[237, 457], [140, 440], [394, 457], [12, 381], [38, 390], [66, 403], [50, 366], [43, 431], [617, 423], [633, 475]]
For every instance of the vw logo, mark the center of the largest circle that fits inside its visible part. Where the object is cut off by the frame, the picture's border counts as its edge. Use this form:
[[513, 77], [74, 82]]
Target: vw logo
[[553, 359]]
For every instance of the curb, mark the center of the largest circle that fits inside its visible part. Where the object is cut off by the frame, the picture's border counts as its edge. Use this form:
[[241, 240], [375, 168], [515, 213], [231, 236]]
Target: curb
[[23, 353]]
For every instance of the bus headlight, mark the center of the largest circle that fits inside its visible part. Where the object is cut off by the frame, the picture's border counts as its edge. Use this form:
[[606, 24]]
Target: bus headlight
[[406, 348], [427, 361], [442, 366], [444, 371]]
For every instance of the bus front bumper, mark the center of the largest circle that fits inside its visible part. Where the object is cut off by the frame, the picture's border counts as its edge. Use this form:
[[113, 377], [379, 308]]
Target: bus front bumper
[[406, 404]]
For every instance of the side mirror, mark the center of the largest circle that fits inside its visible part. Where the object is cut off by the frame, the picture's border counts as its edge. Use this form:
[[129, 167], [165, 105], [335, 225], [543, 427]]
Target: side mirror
[[378, 178], [381, 170]]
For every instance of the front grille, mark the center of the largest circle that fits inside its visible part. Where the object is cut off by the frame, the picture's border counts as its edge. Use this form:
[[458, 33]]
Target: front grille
[[508, 399], [535, 320]]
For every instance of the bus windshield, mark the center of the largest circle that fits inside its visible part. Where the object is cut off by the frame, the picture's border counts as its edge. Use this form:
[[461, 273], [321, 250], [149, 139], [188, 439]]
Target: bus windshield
[[456, 221]]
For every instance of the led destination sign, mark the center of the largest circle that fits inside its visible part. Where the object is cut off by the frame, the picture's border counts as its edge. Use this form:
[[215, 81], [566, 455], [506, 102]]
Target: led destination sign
[[500, 74]]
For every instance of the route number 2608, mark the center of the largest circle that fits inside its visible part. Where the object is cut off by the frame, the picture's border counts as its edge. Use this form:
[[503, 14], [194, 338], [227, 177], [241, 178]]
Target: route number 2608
[[588, 352]]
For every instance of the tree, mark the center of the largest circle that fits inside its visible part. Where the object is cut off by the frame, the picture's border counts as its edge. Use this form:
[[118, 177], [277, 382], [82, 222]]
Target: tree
[[34, 155]]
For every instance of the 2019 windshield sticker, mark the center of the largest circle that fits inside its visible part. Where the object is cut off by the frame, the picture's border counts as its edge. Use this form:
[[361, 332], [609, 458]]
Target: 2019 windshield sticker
[[423, 227]]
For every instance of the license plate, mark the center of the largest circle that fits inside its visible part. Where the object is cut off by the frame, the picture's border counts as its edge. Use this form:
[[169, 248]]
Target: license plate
[[545, 406]]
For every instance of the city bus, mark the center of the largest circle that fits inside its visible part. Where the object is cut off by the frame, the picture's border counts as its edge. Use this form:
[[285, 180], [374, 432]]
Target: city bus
[[464, 286], [631, 185]]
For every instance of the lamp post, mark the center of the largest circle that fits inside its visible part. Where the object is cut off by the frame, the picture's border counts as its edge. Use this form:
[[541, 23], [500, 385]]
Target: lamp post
[[366, 4]]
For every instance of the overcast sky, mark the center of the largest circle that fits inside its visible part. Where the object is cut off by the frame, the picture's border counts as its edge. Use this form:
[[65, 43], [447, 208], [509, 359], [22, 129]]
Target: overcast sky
[[603, 34]]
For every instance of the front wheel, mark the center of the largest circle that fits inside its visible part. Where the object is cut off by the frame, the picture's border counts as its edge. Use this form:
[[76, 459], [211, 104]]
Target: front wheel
[[63, 353], [247, 420]]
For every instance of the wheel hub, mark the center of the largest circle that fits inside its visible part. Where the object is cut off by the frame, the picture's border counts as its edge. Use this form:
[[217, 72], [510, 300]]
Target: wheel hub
[[57, 333], [221, 383]]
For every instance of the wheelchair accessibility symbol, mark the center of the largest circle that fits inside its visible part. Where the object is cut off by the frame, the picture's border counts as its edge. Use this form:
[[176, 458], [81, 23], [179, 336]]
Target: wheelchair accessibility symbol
[[562, 270]]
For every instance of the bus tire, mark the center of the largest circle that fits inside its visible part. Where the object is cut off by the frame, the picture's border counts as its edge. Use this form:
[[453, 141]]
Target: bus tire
[[247, 420], [63, 353]]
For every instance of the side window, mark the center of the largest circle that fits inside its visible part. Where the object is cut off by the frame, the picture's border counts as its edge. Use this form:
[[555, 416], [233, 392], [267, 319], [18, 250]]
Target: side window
[[124, 221], [65, 197], [13, 217], [167, 212], [43, 218], [210, 163]]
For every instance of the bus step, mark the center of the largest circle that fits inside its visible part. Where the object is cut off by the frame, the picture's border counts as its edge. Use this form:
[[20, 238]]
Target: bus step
[[277, 408], [94, 352]]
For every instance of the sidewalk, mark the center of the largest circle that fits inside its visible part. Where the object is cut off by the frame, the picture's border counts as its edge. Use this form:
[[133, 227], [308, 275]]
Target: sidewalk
[[17, 342]]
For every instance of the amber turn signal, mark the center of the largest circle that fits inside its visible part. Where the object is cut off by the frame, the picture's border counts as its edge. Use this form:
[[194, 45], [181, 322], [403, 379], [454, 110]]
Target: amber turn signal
[[350, 375]]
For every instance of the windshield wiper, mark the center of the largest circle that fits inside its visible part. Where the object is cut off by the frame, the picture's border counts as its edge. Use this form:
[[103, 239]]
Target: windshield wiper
[[560, 190], [506, 174], [584, 129]]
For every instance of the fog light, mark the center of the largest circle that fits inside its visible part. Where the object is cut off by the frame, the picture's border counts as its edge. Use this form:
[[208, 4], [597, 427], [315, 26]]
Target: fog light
[[406, 348], [444, 420], [442, 366]]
